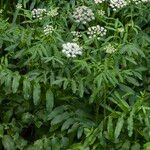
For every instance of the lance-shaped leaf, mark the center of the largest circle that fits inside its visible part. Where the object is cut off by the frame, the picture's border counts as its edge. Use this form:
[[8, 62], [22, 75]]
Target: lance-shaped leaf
[[49, 100], [119, 126], [15, 83], [36, 93], [26, 88]]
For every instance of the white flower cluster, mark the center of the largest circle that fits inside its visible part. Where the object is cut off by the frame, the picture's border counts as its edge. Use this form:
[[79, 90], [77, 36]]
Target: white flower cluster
[[117, 4], [99, 1], [38, 13], [101, 12], [83, 14], [96, 31], [121, 29], [76, 35], [53, 12], [145, 1], [48, 29], [19, 6], [110, 49], [139, 1], [71, 49]]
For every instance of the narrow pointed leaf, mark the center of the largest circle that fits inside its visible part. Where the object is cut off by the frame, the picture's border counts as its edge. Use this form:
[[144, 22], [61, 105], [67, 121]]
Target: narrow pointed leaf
[[36, 93], [49, 100], [119, 126], [15, 83]]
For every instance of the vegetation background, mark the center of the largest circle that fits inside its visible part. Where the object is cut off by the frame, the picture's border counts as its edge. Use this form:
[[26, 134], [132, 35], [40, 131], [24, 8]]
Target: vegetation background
[[96, 101]]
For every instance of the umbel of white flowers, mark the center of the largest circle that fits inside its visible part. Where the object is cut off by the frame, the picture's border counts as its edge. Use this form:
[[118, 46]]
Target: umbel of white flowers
[[139, 1], [18, 6], [38, 13], [99, 1], [48, 29], [71, 49], [76, 35], [83, 14], [110, 49], [96, 31], [101, 12], [53, 12], [117, 4]]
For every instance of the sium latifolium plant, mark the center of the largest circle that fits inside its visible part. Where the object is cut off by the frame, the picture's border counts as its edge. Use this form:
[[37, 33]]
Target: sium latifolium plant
[[74, 75]]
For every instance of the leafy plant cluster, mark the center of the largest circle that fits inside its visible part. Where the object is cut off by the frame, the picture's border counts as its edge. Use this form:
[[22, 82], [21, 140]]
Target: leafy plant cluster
[[95, 101]]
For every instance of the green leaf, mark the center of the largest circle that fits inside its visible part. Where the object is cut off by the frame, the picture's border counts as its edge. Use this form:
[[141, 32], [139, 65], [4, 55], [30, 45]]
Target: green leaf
[[98, 80], [66, 82], [130, 124], [131, 49], [11, 47], [15, 83], [74, 127], [110, 109], [130, 59], [79, 146], [79, 132], [26, 88], [8, 142], [120, 102], [46, 144], [110, 78], [146, 146], [126, 88], [119, 126], [137, 74], [49, 100], [58, 82], [64, 142], [56, 111], [7, 115], [1, 131], [110, 127], [132, 81], [8, 82], [73, 86], [126, 145], [36, 93], [55, 144], [38, 144], [60, 118], [81, 88], [67, 124], [136, 146]]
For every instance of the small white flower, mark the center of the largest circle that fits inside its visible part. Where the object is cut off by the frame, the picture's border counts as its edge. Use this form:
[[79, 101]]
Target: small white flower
[[96, 31], [121, 30], [99, 1], [83, 14], [117, 4], [48, 29], [53, 12], [19, 6], [110, 49], [71, 49], [101, 12], [76, 35], [138, 1], [38, 13]]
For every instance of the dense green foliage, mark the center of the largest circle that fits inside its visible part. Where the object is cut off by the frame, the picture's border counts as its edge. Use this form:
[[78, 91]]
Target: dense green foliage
[[96, 101]]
